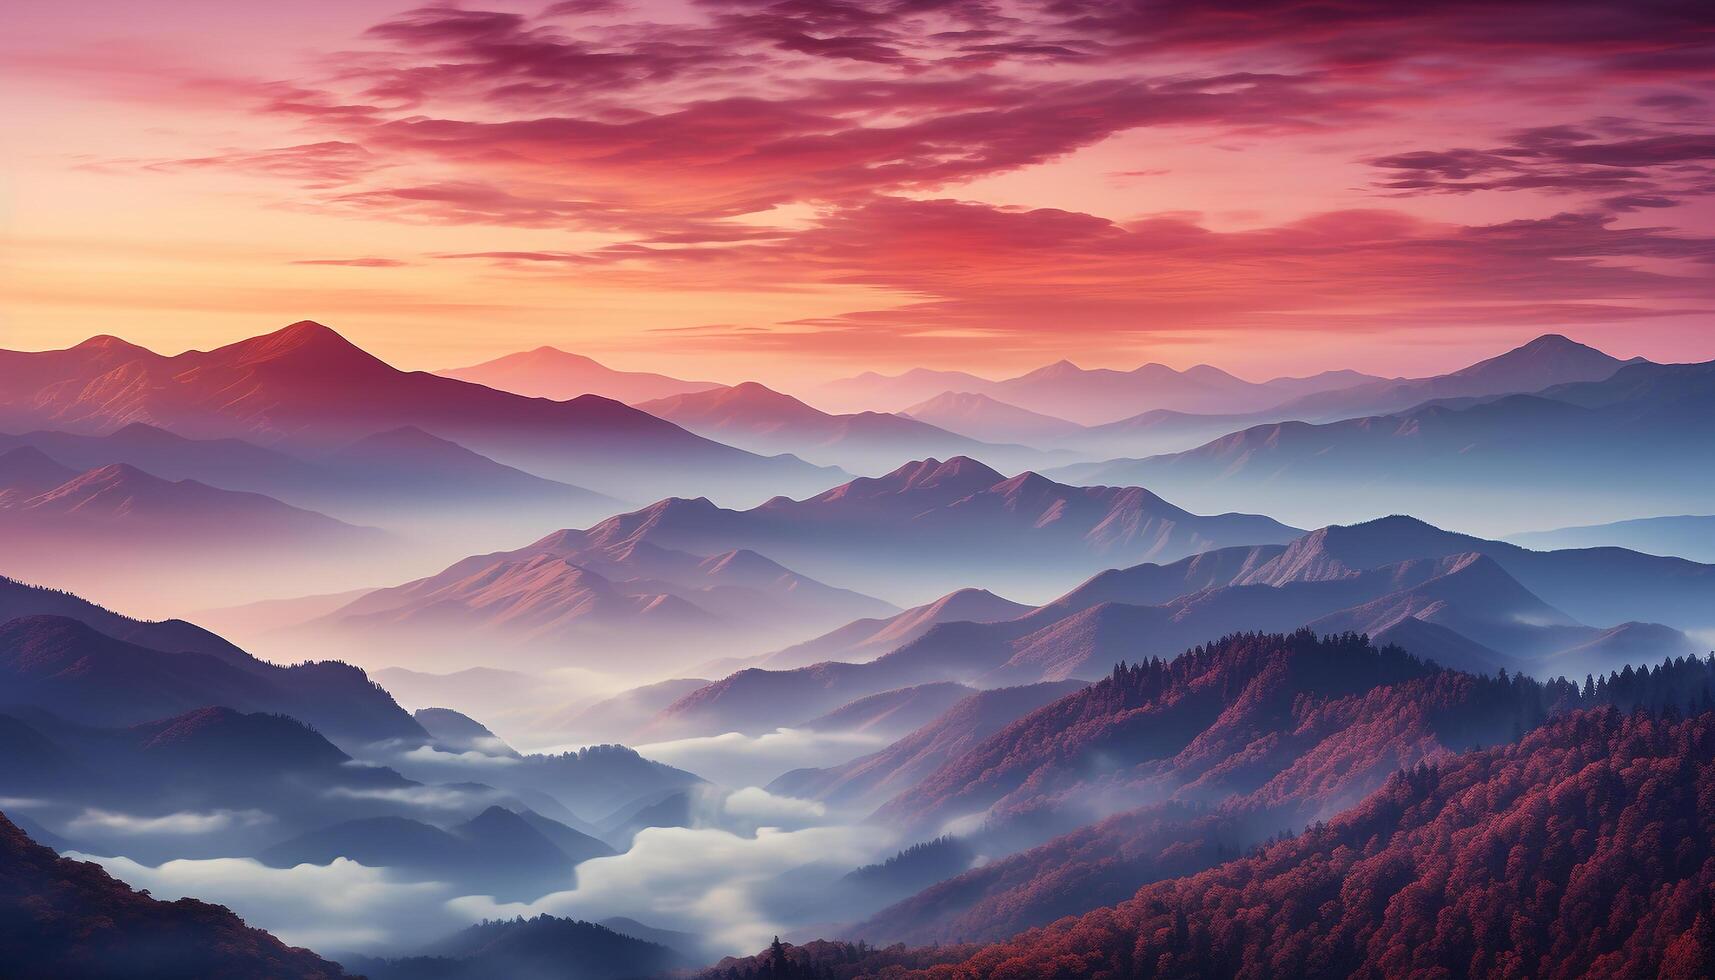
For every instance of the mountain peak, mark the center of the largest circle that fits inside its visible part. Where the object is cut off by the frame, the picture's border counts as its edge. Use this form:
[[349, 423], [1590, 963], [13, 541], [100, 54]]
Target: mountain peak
[[109, 343], [933, 472], [308, 340]]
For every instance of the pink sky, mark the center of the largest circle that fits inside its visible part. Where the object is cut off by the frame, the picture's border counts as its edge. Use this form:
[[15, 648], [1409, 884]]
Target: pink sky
[[808, 188]]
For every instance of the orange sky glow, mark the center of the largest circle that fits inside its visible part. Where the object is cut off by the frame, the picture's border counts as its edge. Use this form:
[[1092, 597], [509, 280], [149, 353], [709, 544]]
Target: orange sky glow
[[802, 189]]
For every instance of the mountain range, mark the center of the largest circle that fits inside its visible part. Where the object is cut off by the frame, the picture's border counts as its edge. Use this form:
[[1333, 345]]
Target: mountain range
[[1462, 601], [568, 597], [1170, 767], [932, 525], [306, 388], [1566, 451], [1085, 396]]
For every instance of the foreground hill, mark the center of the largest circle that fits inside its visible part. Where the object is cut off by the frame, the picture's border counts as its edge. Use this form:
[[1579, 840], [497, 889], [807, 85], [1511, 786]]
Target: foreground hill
[[542, 948], [1286, 743], [64, 918], [308, 388], [1583, 850]]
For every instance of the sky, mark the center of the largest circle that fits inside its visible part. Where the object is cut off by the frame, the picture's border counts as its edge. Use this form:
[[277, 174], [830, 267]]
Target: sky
[[808, 188]]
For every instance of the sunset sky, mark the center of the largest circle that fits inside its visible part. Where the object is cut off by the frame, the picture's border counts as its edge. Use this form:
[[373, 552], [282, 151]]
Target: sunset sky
[[808, 188]]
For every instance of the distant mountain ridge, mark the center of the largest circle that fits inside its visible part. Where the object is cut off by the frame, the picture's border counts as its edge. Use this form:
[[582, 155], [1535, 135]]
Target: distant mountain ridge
[[307, 387], [931, 525], [548, 372], [1571, 448], [1085, 396], [762, 420]]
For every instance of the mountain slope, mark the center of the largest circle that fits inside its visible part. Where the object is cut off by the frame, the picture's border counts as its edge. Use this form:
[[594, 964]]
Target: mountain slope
[[129, 671], [381, 478], [548, 372], [1509, 859], [1281, 749], [866, 782], [67, 918]]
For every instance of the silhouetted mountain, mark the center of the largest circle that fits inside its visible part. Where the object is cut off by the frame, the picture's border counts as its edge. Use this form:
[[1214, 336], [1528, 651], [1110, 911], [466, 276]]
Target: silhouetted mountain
[[980, 417], [307, 387], [498, 850], [548, 372], [1562, 452], [1511, 858], [866, 639], [542, 948], [63, 918], [1689, 537], [58, 655], [18, 599], [751, 416]]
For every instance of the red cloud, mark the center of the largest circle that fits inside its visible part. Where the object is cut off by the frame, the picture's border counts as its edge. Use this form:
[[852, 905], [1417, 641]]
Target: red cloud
[[1036, 279]]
